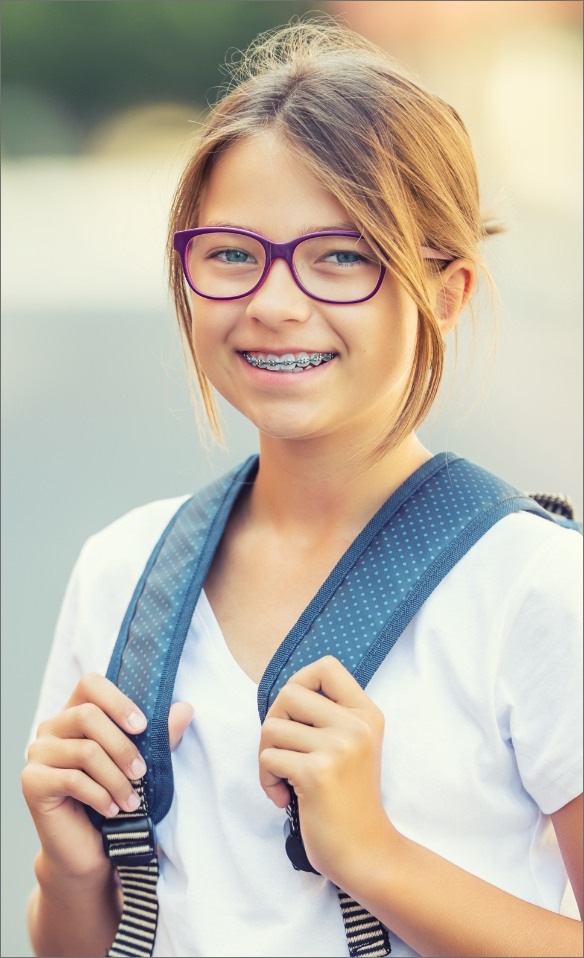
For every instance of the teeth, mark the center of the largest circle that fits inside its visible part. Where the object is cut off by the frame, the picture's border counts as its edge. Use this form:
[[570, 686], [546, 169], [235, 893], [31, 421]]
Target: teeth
[[288, 362]]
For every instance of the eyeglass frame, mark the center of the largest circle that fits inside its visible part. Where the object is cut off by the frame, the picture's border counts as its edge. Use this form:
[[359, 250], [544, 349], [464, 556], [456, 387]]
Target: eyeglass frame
[[285, 251]]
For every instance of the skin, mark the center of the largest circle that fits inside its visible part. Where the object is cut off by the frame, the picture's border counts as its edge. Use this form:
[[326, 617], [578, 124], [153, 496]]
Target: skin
[[373, 341], [82, 755], [323, 734]]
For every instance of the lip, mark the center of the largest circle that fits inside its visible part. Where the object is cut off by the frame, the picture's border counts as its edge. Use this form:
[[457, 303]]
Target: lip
[[282, 351]]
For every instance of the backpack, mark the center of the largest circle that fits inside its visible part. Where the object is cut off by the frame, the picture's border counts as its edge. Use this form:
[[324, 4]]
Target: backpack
[[418, 534]]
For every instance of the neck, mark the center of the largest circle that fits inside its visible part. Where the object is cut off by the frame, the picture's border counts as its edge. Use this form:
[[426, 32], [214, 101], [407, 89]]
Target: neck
[[301, 486]]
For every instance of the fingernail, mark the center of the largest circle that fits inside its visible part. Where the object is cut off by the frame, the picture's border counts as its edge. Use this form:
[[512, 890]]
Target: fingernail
[[136, 721], [112, 810], [133, 801], [138, 768]]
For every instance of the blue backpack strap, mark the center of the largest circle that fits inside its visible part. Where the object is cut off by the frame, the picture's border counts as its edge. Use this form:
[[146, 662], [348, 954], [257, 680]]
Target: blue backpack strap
[[379, 584], [144, 665], [146, 655], [391, 568]]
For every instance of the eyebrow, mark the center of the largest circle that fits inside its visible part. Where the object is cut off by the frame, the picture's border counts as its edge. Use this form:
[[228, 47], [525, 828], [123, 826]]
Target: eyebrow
[[331, 228]]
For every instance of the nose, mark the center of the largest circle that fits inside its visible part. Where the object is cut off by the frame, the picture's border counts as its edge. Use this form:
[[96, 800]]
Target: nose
[[279, 299]]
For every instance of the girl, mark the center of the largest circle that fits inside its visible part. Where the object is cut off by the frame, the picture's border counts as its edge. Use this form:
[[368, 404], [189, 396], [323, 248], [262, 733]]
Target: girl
[[324, 240]]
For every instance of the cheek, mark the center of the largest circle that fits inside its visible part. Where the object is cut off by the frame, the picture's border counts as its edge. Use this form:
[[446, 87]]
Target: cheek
[[211, 336], [210, 324], [392, 330]]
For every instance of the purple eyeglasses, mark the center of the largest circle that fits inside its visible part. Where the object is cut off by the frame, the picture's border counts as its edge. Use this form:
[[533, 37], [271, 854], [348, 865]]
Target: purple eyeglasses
[[332, 266]]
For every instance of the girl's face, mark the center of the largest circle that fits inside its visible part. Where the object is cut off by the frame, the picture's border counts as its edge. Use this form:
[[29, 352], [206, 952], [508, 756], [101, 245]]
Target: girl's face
[[259, 185]]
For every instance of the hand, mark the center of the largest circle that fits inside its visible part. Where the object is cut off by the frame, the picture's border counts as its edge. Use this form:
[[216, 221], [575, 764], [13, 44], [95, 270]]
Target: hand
[[323, 736], [84, 755]]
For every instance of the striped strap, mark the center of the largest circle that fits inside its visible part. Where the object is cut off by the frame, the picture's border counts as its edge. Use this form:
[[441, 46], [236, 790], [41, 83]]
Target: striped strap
[[129, 844], [365, 934]]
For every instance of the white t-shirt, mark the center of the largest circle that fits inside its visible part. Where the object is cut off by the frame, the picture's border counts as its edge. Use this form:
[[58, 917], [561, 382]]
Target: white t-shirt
[[482, 696]]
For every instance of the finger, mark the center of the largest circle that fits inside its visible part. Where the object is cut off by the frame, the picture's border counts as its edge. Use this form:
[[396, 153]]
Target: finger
[[301, 704], [46, 788], [274, 785], [179, 718], [279, 732], [328, 676], [278, 767], [284, 735], [279, 794], [88, 721], [88, 757], [103, 693]]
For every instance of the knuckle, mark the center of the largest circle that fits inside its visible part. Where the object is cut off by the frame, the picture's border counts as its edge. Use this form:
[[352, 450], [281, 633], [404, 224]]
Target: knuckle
[[72, 779], [88, 712], [343, 746], [368, 729], [266, 762], [27, 779], [329, 661], [319, 770], [377, 719], [32, 752], [290, 692], [269, 728], [43, 729], [88, 682], [263, 762], [363, 730], [90, 751]]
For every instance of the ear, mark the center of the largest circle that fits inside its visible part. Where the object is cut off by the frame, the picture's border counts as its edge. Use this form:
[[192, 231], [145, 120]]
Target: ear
[[453, 288]]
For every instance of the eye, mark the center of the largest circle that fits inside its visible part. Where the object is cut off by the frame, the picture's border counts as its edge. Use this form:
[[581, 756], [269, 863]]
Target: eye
[[344, 258], [232, 255]]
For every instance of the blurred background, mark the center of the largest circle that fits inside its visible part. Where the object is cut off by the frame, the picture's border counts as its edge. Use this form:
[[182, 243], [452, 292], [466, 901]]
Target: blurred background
[[99, 103]]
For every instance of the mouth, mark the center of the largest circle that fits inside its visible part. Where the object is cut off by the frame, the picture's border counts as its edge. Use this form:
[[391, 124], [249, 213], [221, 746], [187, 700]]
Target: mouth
[[289, 362]]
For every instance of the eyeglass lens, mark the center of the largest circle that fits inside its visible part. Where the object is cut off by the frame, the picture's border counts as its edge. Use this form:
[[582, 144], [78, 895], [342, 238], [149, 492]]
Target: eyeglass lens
[[336, 268]]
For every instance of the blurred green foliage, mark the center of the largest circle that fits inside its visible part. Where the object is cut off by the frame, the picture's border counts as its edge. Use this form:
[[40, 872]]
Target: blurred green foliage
[[93, 57]]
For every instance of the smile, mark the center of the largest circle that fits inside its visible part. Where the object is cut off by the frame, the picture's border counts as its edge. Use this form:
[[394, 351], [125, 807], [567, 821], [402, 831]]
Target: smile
[[289, 363]]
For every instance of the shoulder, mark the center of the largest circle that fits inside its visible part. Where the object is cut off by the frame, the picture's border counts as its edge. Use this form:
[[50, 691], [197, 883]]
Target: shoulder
[[98, 592], [518, 586], [524, 550], [518, 591], [127, 542], [523, 569]]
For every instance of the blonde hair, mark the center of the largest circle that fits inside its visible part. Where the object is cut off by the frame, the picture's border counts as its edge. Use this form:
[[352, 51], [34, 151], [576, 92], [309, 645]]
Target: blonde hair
[[397, 158]]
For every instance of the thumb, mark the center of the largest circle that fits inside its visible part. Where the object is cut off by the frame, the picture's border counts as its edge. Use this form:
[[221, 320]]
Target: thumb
[[179, 717]]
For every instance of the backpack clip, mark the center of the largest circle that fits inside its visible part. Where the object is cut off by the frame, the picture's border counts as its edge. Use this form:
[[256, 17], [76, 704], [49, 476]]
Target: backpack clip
[[129, 841], [295, 850]]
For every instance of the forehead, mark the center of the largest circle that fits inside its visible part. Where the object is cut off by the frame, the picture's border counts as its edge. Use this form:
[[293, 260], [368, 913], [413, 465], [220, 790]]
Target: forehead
[[260, 183]]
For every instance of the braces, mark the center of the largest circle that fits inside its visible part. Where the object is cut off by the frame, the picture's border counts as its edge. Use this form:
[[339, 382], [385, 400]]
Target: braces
[[315, 359]]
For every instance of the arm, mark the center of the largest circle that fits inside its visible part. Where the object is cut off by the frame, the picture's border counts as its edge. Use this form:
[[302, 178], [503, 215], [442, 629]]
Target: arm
[[82, 755], [439, 909], [69, 916], [328, 747], [79, 756]]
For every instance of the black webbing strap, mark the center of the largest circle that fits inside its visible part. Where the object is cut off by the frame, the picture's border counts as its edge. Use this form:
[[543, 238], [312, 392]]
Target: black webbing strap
[[129, 843], [366, 936]]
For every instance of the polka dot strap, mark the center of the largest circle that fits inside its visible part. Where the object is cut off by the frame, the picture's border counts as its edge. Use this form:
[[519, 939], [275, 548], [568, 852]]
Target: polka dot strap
[[145, 658], [391, 568], [378, 585]]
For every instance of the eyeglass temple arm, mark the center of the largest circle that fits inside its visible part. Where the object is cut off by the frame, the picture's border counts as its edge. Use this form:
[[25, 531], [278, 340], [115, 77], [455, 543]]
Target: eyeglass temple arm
[[429, 253]]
